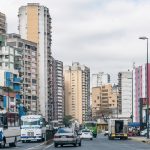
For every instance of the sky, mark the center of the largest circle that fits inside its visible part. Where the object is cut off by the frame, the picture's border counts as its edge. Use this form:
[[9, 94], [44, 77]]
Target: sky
[[101, 34]]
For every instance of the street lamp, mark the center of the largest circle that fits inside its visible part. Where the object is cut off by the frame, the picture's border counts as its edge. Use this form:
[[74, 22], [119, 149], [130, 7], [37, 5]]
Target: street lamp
[[145, 38]]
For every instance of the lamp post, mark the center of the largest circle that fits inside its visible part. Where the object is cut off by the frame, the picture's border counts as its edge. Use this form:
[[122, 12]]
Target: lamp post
[[145, 38]]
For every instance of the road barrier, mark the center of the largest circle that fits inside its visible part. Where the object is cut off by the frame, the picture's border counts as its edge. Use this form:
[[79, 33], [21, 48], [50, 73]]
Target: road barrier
[[49, 135]]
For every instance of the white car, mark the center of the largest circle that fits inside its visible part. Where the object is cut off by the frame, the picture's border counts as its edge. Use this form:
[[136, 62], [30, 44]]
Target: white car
[[66, 136], [106, 133], [86, 134], [144, 132]]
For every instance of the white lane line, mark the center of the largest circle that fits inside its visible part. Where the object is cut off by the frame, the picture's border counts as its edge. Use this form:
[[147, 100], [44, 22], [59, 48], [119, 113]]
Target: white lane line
[[48, 146], [35, 146]]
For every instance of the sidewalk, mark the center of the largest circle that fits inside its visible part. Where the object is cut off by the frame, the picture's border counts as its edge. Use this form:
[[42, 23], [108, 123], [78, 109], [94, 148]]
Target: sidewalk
[[140, 139]]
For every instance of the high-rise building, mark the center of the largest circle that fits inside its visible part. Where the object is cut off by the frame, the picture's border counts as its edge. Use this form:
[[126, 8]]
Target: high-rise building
[[125, 93], [77, 91], [100, 79], [104, 100], [3, 26], [140, 93], [57, 105], [35, 26], [27, 67]]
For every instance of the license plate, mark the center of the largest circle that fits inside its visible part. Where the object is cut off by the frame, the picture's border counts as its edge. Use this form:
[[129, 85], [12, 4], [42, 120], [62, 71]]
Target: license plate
[[63, 136]]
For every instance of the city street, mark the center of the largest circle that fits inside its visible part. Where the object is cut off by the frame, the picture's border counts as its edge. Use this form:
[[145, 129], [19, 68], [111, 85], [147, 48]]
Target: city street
[[100, 143]]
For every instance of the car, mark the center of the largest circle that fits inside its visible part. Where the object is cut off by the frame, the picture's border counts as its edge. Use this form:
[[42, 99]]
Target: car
[[66, 136], [86, 134], [144, 132], [106, 133]]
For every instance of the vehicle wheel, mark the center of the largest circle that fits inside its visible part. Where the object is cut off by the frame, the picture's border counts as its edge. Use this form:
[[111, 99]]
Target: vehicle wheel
[[23, 141], [61, 145], [43, 137], [109, 137], [91, 139], [95, 135], [15, 143], [75, 144], [55, 144], [2, 145], [80, 143]]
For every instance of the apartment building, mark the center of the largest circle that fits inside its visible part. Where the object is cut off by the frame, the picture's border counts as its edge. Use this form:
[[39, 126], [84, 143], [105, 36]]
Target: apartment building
[[3, 25], [125, 93], [35, 26], [10, 82], [10, 85], [104, 100], [140, 93], [57, 105], [77, 91], [28, 69], [100, 79]]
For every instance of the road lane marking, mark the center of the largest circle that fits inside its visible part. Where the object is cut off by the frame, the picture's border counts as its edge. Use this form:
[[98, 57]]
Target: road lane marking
[[35, 146], [48, 146]]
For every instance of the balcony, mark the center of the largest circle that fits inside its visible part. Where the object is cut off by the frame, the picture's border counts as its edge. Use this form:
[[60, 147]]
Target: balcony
[[16, 87], [18, 97], [17, 80]]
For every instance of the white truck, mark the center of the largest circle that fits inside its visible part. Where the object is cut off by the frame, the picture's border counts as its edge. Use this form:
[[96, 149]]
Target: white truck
[[33, 128], [118, 128]]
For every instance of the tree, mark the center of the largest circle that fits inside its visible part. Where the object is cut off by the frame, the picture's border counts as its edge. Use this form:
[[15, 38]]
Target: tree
[[67, 120], [104, 113]]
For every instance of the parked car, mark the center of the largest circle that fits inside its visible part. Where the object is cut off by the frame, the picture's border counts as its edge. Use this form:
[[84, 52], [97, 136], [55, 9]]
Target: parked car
[[144, 132], [66, 136], [86, 134]]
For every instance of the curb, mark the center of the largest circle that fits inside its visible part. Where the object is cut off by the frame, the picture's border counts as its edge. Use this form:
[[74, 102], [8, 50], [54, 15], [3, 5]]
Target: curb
[[139, 140]]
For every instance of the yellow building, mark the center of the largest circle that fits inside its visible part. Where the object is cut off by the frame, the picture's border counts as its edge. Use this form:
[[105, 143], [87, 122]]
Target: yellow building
[[104, 100], [35, 26], [77, 91]]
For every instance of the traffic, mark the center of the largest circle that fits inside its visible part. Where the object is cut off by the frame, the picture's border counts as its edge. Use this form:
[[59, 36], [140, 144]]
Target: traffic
[[30, 128]]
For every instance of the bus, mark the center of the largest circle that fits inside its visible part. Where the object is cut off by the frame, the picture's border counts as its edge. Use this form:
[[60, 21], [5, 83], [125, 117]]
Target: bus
[[91, 125], [9, 128], [33, 128]]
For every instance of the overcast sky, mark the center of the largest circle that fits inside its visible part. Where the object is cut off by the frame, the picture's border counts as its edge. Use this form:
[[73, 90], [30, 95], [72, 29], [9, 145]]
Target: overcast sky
[[101, 34]]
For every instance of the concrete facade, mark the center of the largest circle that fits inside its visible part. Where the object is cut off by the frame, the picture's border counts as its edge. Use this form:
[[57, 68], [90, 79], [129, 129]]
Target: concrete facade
[[57, 105], [77, 91], [35, 26], [28, 69], [100, 79], [3, 25], [103, 99], [125, 93]]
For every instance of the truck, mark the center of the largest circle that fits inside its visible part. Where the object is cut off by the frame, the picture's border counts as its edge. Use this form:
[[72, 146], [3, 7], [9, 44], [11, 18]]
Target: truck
[[118, 128], [33, 128]]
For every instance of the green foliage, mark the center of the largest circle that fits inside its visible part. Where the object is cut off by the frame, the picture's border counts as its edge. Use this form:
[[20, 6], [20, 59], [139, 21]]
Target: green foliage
[[67, 120]]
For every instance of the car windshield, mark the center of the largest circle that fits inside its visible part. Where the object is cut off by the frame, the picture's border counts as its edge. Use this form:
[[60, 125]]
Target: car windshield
[[64, 130], [85, 130]]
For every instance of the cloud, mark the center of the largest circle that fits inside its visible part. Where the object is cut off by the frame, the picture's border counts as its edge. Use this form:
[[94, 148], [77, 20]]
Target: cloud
[[103, 35]]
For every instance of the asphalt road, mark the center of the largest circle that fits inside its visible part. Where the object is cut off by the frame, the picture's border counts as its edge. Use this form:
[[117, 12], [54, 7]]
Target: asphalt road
[[100, 143]]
